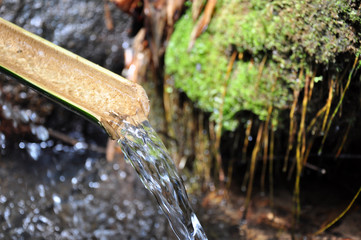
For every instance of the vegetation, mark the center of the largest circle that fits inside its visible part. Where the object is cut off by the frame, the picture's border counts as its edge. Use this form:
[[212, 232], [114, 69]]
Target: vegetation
[[275, 42], [285, 50]]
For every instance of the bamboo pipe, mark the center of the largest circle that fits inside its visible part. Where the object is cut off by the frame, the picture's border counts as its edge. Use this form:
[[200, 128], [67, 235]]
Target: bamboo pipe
[[88, 89]]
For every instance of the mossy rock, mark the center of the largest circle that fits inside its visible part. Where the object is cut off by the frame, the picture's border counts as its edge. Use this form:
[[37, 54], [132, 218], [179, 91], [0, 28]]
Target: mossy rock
[[277, 39]]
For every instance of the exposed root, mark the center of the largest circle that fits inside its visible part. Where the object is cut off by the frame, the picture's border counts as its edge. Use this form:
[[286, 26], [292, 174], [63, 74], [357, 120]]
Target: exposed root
[[328, 104], [339, 150], [292, 130], [265, 149], [246, 140], [218, 167], [300, 148], [244, 153], [339, 104], [232, 160], [270, 167], [252, 169], [314, 120]]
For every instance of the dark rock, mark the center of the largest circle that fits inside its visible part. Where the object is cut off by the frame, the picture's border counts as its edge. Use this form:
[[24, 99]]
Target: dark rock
[[78, 26]]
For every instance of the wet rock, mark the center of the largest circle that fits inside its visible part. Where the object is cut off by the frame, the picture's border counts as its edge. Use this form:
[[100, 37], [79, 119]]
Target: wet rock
[[78, 26], [72, 209]]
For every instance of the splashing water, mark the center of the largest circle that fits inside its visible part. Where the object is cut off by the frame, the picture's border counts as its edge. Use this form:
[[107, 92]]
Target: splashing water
[[149, 157]]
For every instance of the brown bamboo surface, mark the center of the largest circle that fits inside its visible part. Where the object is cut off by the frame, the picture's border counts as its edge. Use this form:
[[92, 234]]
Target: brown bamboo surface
[[87, 88]]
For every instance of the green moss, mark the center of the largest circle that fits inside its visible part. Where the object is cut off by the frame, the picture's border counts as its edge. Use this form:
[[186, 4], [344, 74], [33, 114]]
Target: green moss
[[290, 34]]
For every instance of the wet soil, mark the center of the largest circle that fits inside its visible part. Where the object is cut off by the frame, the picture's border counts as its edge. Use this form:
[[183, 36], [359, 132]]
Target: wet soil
[[323, 198]]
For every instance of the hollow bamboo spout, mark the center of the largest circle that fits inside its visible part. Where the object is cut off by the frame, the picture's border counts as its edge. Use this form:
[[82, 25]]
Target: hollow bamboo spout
[[90, 90]]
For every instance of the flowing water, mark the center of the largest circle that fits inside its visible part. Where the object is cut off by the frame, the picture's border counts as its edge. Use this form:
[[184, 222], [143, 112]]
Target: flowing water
[[149, 157]]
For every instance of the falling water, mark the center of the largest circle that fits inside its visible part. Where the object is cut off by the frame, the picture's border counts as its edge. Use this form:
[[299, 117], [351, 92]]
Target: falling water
[[149, 157]]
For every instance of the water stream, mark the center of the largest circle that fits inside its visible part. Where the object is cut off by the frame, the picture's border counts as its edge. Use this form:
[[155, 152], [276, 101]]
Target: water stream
[[149, 157]]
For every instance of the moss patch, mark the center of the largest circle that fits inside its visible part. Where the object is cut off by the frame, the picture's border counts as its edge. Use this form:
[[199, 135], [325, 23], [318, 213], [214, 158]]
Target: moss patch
[[276, 39]]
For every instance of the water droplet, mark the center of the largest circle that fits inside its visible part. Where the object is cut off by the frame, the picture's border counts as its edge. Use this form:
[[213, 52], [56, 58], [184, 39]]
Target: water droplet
[[80, 145], [50, 143], [40, 132], [122, 174], [57, 203], [7, 112], [34, 150], [114, 48], [94, 185], [31, 227], [33, 117], [58, 147], [121, 216], [2, 140], [41, 190], [74, 180], [43, 145], [21, 203], [89, 197], [111, 221], [104, 177], [92, 37], [44, 219], [125, 45], [7, 216], [3, 199], [56, 199], [89, 164], [21, 145], [126, 202], [24, 117], [36, 21], [40, 227], [62, 178], [199, 67], [23, 95], [116, 166]]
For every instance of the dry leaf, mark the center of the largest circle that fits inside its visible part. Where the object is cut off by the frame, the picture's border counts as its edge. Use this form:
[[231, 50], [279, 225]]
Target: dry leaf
[[202, 23], [127, 6]]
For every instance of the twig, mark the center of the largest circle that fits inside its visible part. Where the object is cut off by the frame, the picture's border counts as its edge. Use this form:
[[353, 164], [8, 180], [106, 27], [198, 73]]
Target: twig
[[322, 229], [108, 17]]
